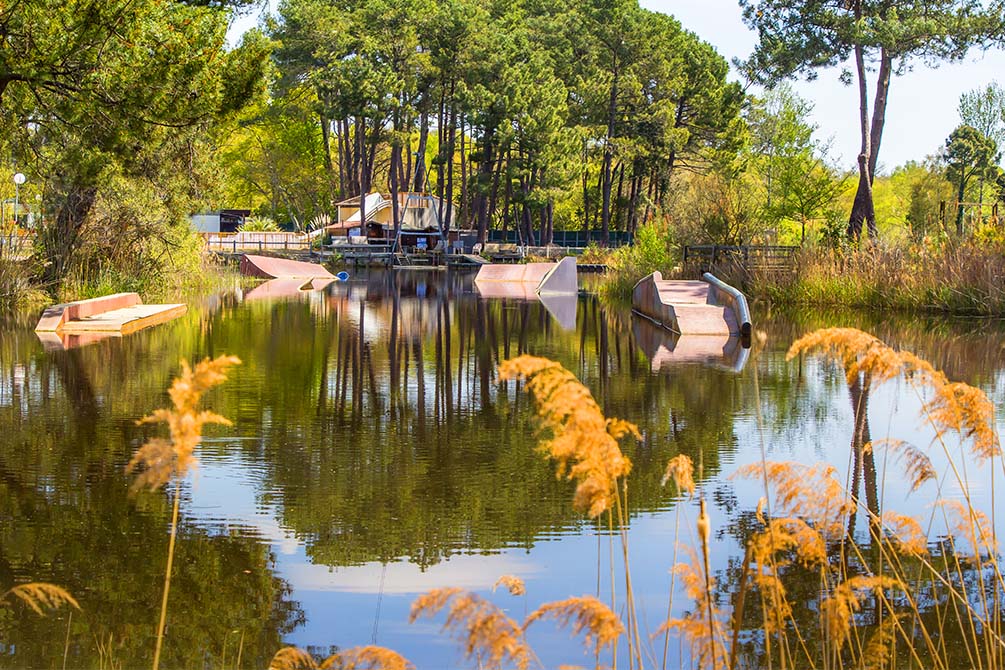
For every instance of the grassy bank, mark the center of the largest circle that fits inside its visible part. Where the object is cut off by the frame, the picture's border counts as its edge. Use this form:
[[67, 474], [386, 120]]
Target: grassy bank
[[652, 250], [965, 278], [162, 270], [961, 278]]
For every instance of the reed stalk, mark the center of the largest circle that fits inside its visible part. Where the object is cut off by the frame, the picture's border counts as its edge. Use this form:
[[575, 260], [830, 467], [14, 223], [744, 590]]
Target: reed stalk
[[167, 576]]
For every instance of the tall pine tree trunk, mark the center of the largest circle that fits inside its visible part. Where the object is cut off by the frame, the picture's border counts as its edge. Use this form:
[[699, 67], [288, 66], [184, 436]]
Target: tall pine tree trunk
[[612, 110], [420, 155], [862, 211]]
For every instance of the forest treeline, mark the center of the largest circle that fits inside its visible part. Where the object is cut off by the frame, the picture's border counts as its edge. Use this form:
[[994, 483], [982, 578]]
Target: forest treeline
[[127, 116], [526, 116]]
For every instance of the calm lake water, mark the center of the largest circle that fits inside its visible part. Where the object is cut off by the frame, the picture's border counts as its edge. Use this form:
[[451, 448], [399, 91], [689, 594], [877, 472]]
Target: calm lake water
[[374, 455]]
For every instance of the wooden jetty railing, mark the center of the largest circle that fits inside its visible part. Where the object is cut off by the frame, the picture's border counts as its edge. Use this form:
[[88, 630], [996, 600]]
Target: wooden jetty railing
[[764, 257], [15, 245], [270, 241]]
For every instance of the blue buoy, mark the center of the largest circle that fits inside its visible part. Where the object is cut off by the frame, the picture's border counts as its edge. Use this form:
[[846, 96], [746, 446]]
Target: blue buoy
[[342, 276]]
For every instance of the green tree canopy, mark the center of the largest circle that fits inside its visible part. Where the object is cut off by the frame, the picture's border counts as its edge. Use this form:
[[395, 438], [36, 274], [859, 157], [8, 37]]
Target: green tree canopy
[[969, 153], [800, 38]]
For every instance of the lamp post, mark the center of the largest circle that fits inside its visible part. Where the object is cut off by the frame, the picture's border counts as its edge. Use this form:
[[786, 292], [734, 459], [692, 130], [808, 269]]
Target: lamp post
[[19, 179]]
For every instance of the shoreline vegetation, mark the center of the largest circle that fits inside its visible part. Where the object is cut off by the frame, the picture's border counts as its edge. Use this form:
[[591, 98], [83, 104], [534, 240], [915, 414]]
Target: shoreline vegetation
[[961, 278], [889, 590], [599, 117]]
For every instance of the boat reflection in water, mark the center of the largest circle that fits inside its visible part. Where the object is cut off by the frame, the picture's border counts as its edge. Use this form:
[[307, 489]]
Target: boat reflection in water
[[665, 348]]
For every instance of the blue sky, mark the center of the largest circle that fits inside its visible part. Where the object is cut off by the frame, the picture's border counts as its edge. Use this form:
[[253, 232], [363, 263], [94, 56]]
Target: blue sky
[[923, 103]]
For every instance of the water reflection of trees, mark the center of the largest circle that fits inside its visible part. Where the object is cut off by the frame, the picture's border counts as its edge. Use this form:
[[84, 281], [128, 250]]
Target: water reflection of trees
[[382, 432], [66, 518], [388, 434]]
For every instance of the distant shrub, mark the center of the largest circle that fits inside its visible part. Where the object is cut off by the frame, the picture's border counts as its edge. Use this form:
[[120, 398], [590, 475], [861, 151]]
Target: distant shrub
[[653, 249], [259, 224]]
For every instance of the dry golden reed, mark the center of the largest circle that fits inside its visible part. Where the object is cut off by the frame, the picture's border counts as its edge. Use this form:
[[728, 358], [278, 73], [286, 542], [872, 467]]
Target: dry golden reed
[[40, 596], [512, 583], [586, 614], [292, 658], [905, 533], [879, 650], [370, 657], [917, 464], [583, 442], [811, 493], [159, 460], [838, 609], [488, 635], [680, 470], [706, 637], [974, 526], [955, 406], [788, 535]]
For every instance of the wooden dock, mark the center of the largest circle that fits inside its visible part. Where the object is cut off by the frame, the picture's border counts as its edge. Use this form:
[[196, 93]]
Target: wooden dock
[[706, 307], [116, 314]]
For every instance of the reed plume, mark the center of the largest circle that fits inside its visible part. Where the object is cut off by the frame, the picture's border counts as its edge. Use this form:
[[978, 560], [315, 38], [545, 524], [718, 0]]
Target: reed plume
[[680, 470], [705, 633], [837, 609], [811, 493], [905, 533], [292, 658], [40, 596], [583, 442], [879, 650], [585, 614], [917, 464], [488, 635], [974, 526], [159, 461], [955, 406], [512, 583], [370, 657]]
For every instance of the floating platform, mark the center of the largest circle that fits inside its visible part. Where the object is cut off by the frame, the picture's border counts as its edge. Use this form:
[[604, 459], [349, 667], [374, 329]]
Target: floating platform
[[529, 279], [706, 307], [117, 314], [268, 267]]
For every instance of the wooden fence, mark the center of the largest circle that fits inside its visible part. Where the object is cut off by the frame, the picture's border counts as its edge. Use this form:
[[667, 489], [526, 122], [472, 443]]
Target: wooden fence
[[759, 258], [16, 245], [255, 241]]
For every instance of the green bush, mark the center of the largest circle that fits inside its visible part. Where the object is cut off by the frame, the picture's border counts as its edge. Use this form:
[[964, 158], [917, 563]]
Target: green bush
[[653, 249], [259, 224]]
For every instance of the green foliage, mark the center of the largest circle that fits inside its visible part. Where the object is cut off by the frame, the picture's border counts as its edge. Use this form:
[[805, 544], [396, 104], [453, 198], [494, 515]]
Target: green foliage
[[259, 224], [800, 38], [796, 182], [570, 115], [984, 109], [969, 153], [116, 100], [653, 249]]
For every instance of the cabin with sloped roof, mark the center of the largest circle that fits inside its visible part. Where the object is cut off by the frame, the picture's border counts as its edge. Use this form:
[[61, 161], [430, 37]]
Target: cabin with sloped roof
[[419, 212]]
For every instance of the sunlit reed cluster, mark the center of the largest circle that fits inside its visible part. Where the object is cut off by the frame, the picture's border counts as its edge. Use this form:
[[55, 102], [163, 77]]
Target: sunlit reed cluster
[[583, 443], [157, 461]]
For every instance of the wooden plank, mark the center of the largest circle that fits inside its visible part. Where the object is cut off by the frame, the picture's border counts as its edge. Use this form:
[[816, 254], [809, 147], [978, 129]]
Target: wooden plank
[[126, 320]]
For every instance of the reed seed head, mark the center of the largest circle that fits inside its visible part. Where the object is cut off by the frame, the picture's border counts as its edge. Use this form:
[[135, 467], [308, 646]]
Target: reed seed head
[[159, 460], [838, 608], [680, 470], [512, 583], [488, 635], [585, 614], [40, 596], [582, 441]]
